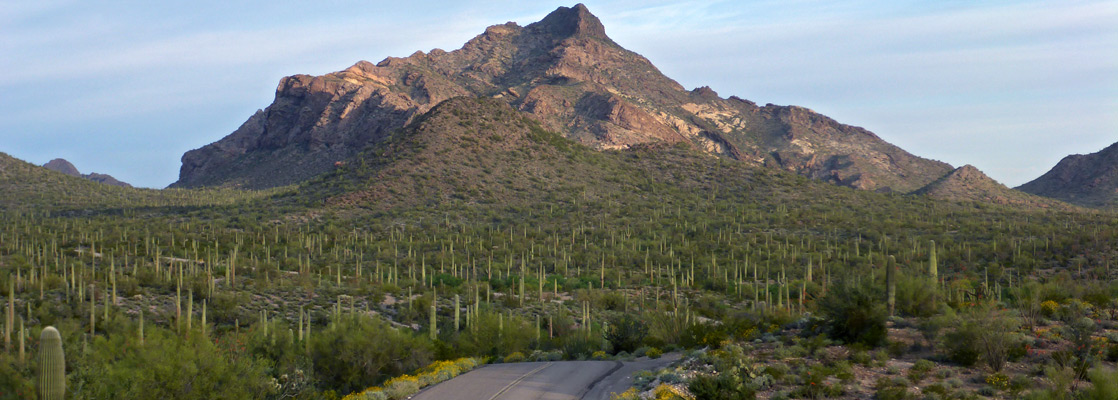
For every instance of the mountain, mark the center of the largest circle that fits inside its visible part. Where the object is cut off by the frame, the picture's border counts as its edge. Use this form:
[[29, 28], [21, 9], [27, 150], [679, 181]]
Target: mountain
[[481, 153], [967, 183], [65, 167], [1089, 180], [565, 73]]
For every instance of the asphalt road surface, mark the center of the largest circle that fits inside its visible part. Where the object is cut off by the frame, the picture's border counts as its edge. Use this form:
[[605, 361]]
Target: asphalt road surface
[[557, 380]]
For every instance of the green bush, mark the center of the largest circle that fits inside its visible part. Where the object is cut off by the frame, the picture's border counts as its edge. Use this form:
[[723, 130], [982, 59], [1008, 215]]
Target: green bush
[[626, 333], [721, 387], [961, 345], [1104, 384], [169, 366], [362, 351], [855, 314], [916, 296]]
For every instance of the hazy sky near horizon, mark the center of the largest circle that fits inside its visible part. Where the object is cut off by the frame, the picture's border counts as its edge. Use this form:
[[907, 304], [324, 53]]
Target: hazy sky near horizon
[[126, 87]]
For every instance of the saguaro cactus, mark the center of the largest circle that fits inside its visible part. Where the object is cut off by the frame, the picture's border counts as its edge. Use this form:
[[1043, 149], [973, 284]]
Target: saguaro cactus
[[52, 365], [10, 320], [933, 268], [434, 329], [891, 284]]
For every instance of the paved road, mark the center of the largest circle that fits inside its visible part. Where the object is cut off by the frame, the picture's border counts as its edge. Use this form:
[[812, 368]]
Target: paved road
[[559, 380]]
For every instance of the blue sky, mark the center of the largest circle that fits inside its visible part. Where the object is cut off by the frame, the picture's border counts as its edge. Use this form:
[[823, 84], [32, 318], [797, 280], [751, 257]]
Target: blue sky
[[125, 87]]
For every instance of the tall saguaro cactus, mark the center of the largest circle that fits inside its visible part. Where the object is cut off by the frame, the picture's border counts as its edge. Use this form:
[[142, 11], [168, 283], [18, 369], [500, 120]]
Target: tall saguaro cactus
[[891, 284], [434, 329], [933, 268], [10, 319], [52, 365]]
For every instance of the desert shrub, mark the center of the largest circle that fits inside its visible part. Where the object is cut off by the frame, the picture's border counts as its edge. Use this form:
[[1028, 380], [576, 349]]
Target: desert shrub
[[961, 345], [359, 352], [919, 370], [855, 314], [401, 387], [916, 296], [513, 357], [1104, 384], [998, 381], [1082, 352], [626, 333], [985, 333], [169, 366], [654, 353], [703, 335], [887, 389], [721, 387]]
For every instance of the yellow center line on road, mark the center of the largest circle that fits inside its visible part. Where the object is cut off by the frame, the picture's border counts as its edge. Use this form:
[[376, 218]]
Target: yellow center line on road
[[513, 383]]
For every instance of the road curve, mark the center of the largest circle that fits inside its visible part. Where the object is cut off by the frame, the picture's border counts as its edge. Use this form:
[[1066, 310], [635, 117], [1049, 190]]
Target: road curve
[[557, 380]]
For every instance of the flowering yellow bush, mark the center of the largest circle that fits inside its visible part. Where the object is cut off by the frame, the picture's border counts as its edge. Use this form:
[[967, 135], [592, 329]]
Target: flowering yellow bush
[[599, 355], [669, 392], [630, 394], [999, 381], [1048, 308], [403, 386], [516, 356]]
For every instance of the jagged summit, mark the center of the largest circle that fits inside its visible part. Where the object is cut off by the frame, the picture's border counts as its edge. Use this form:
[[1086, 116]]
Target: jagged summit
[[573, 21], [563, 72], [1089, 180]]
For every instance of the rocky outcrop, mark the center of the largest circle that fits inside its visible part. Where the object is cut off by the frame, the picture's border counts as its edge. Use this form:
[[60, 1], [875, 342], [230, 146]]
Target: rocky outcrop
[[567, 74], [1089, 180], [65, 167]]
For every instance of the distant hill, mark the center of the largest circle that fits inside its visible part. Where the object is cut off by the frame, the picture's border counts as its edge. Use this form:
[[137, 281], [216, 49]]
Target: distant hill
[[967, 183], [1089, 180], [65, 167], [25, 186], [566, 74]]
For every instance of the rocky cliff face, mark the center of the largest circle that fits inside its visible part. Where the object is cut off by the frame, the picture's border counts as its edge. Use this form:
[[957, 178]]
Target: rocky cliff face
[[564, 72], [1085, 179], [967, 183], [65, 167]]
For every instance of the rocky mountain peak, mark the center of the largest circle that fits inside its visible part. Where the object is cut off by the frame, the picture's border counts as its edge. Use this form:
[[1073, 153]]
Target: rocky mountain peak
[[567, 75], [572, 21], [63, 166]]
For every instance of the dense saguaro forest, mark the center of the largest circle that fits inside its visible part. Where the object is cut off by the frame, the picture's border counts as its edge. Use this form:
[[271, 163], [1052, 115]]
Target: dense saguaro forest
[[438, 250]]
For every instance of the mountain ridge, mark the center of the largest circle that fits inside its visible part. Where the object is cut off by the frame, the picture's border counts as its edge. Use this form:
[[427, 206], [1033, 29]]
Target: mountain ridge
[[1089, 180]]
